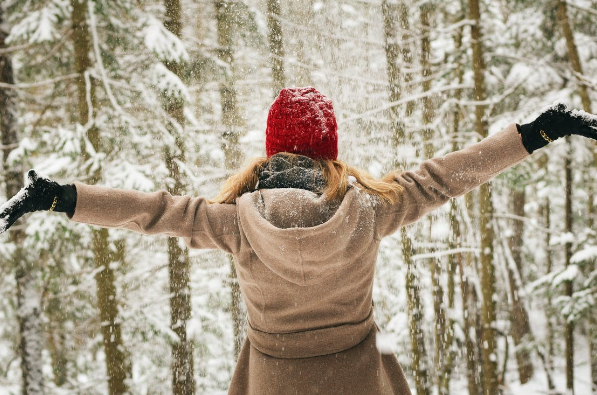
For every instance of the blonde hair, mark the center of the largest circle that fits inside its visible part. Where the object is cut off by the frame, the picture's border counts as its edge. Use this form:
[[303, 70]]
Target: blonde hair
[[335, 174]]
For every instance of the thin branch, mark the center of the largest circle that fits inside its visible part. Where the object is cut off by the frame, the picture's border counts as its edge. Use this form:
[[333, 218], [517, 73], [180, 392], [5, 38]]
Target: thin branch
[[438, 254], [38, 84], [15, 48], [405, 100], [55, 49], [93, 26], [580, 7], [528, 221]]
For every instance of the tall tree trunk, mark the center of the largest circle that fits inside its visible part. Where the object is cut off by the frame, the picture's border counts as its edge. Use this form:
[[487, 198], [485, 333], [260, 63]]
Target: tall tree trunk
[[455, 241], [592, 319], [276, 44], [183, 381], [407, 56], [230, 136], [391, 16], [549, 310], [562, 15], [573, 54], [415, 312], [26, 272], [519, 317], [569, 325], [56, 339], [434, 264], [117, 362], [575, 62], [569, 329], [489, 349], [457, 261]]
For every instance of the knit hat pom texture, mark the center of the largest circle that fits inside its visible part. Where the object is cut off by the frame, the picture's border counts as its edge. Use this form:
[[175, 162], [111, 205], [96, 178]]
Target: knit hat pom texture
[[302, 121]]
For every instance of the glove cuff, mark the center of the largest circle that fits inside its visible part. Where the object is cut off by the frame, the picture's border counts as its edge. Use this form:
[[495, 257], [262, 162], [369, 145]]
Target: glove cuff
[[532, 138], [67, 200]]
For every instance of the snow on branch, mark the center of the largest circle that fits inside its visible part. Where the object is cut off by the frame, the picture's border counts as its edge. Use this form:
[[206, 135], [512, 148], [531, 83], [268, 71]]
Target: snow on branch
[[40, 25], [168, 83], [162, 42]]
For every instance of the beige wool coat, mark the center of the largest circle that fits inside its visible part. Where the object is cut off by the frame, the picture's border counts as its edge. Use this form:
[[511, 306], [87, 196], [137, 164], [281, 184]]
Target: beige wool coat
[[306, 267]]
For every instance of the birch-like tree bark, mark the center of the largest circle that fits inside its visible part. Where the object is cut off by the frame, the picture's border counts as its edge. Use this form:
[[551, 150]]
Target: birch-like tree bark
[[117, 362], [183, 381], [26, 272]]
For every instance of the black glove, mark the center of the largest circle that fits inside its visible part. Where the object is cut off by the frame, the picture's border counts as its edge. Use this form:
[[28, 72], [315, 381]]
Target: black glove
[[555, 122], [39, 193]]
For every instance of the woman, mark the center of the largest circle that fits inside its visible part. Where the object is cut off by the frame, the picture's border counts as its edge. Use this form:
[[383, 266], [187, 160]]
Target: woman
[[304, 230]]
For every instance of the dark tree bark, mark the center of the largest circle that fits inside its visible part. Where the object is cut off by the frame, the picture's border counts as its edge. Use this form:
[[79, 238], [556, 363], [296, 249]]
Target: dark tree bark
[[415, 312], [521, 331], [230, 120], [117, 361], [183, 381], [26, 272], [276, 44], [574, 58], [489, 349], [391, 15]]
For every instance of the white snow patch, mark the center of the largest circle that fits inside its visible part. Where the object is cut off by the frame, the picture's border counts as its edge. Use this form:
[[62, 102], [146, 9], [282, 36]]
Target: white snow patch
[[564, 238], [385, 343], [585, 254], [568, 274]]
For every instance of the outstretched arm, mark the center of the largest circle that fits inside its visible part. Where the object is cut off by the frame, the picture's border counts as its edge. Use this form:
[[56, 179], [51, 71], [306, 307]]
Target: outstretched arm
[[439, 179], [199, 223], [202, 225]]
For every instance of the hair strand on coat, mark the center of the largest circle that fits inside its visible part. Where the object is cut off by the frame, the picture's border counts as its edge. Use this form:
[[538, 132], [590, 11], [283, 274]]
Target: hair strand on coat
[[335, 174]]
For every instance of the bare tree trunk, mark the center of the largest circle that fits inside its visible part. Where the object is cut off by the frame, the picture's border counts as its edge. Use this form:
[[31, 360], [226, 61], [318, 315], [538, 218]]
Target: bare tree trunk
[[574, 58], [573, 54], [440, 354], [519, 317], [183, 381], [471, 309], [230, 136], [391, 16], [569, 329], [26, 273], [117, 362], [276, 44], [455, 260], [489, 349], [415, 312], [407, 57], [56, 340]]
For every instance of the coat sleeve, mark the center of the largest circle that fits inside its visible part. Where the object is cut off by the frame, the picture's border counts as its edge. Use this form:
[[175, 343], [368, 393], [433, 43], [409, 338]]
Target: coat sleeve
[[439, 179], [200, 223]]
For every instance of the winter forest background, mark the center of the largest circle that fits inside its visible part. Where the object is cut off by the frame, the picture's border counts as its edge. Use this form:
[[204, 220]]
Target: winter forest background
[[494, 292]]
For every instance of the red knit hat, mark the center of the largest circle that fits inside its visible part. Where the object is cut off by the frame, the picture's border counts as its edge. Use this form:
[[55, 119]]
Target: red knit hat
[[302, 121]]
